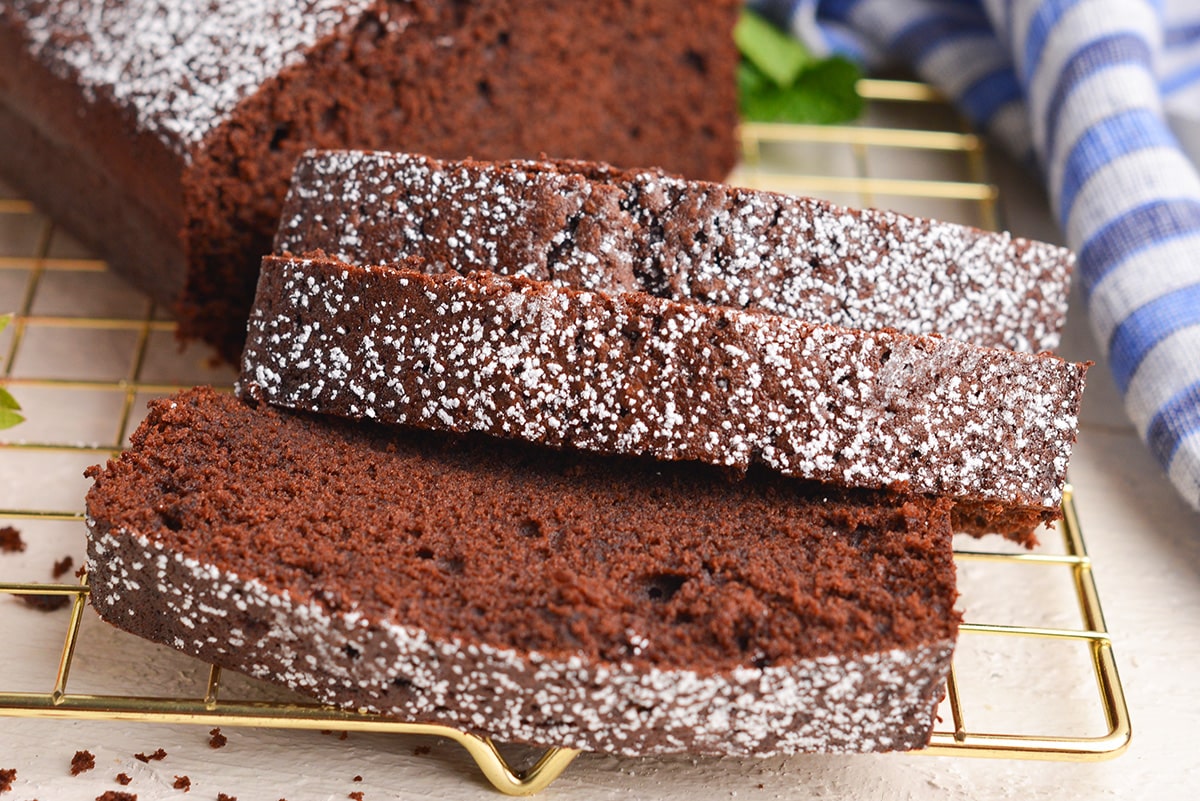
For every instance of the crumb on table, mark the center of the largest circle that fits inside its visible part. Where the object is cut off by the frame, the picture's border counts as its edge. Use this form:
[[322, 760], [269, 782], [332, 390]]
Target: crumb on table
[[63, 565], [46, 603], [82, 761], [157, 755], [10, 540]]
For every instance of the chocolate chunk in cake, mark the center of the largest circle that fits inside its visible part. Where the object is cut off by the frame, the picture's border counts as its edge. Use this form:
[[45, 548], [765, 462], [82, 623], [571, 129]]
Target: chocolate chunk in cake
[[636, 374], [555, 598], [592, 226], [163, 134]]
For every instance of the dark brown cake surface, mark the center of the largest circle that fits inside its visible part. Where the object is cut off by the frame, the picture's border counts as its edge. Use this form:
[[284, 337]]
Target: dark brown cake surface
[[187, 118], [637, 374], [592, 226], [615, 604]]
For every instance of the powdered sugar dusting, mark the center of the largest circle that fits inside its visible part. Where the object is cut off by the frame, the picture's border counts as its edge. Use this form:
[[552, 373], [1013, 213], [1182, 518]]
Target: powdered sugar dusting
[[796, 257], [179, 68], [640, 375], [874, 701]]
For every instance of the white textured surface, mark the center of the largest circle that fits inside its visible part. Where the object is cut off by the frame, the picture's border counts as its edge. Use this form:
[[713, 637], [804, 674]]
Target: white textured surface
[[1144, 541]]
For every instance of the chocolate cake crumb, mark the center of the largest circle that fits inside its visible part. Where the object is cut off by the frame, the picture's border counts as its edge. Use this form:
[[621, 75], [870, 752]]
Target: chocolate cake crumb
[[79, 573], [217, 740], [82, 761], [124, 779], [6, 778], [63, 565], [157, 755], [343, 735], [680, 585], [421, 750], [224, 797], [182, 783], [10, 540], [46, 603], [356, 795], [116, 795], [357, 779]]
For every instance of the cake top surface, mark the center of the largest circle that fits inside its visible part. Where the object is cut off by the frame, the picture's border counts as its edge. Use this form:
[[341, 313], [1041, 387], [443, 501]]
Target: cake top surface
[[179, 68], [538, 550], [793, 256]]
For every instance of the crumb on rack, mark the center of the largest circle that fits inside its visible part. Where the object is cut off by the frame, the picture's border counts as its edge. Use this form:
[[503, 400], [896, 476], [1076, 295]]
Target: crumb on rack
[[6, 778], [157, 755], [82, 761], [357, 795], [217, 740], [10, 540], [422, 750], [182, 783], [357, 779], [223, 797], [63, 565], [124, 779]]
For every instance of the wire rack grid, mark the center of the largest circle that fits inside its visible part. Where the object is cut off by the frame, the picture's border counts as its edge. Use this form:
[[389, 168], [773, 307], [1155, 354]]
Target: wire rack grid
[[122, 353]]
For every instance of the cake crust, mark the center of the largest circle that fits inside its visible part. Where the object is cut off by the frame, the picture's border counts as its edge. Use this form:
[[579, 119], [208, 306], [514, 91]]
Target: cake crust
[[636, 374], [537, 596]]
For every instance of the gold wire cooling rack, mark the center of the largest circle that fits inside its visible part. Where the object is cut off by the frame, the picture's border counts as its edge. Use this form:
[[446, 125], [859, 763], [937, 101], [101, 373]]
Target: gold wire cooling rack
[[840, 162]]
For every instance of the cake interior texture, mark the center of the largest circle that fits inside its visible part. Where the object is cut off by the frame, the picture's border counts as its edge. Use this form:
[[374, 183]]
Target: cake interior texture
[[190, 190], [534, 595]]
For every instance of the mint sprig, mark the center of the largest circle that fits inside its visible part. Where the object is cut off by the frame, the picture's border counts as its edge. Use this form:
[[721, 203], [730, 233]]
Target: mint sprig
[[779, 79], [9, 407]]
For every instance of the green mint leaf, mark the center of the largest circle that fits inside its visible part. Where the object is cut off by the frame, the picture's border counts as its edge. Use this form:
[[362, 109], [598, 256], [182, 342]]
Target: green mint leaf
[[9, 418], [824, 93], [779, 56], [7, 401]]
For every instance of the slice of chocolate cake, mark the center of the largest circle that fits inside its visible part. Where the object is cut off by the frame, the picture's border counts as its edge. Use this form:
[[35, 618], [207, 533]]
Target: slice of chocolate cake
[[636, 374], [162, 133], [548, 597], [592, 226]]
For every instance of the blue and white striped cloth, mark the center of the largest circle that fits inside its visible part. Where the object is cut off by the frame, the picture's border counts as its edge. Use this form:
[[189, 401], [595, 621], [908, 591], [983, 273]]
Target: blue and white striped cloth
[[1104, 97]]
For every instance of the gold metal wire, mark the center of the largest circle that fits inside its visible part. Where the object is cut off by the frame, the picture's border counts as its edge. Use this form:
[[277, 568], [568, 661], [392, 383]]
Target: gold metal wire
[[207, 707]]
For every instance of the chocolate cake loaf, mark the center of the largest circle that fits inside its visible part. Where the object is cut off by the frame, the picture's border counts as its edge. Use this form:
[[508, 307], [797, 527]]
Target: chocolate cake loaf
[[162, 134], [636, 374], [532, 595], [593, 226]]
